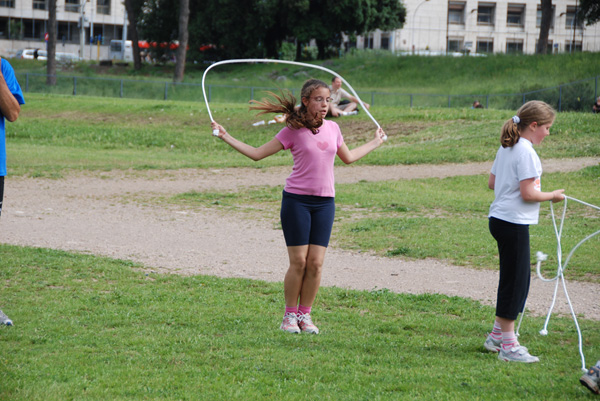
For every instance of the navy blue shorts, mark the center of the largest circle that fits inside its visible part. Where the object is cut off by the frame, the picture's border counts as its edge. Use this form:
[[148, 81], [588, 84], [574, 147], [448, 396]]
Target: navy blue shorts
[[307, 219]]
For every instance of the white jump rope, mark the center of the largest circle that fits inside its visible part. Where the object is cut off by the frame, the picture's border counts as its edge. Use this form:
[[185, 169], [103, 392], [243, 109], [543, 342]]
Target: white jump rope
[[559, 274], [252, 60]]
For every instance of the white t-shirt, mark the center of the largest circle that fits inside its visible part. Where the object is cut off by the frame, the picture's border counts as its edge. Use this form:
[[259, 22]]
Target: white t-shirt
[[338, 95], [511, 166]]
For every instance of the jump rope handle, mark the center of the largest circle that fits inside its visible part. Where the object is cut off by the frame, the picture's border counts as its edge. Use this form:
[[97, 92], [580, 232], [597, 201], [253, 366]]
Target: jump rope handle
[[215, 132]]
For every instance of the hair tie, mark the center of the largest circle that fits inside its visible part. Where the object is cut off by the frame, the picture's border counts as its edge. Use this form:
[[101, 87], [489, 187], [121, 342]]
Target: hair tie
[[516, 119]]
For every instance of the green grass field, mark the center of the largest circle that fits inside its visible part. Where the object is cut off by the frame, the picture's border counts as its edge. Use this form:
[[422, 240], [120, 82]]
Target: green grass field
[[91, 328], [98, 329]]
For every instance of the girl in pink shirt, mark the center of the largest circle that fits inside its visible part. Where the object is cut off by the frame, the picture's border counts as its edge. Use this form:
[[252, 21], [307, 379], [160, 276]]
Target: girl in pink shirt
[[307, 206]]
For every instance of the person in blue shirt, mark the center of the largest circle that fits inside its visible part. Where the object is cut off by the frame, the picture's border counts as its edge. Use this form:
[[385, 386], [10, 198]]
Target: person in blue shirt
[[11, 99]]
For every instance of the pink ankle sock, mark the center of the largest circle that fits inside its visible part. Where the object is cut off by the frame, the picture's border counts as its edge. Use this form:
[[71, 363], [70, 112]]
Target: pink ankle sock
[[304, 310], [496, 333], [509, 340], [291, 309]]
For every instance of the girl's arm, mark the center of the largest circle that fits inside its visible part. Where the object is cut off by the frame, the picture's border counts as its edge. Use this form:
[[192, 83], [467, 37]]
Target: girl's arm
[[350, 156], [530, 194], [268, 149], [492, 181]]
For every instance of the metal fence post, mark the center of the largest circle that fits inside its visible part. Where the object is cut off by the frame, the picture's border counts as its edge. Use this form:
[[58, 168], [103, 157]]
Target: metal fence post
[[209, 92], [559, 97], [121, 89], [252, 92], [411, 100], [74, 86], [448, 101], [27, 82], [372, 98], [523, 102], [487, 101], [166, 90]]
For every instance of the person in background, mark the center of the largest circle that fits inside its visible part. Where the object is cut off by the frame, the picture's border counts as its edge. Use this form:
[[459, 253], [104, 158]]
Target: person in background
[[11, 99], [339, 107], [596, 106]]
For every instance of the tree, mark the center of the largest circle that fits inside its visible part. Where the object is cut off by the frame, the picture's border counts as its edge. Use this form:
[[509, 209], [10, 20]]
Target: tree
[[184, 16], [589, 11], [542, 45], [51, 63], [133, 8]]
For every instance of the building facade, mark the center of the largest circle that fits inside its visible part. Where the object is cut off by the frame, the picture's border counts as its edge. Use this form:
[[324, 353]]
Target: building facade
[[501, 26], [23, 24]]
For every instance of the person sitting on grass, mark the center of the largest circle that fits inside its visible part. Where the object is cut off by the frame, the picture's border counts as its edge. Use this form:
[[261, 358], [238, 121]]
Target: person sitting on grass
[[339, 107]]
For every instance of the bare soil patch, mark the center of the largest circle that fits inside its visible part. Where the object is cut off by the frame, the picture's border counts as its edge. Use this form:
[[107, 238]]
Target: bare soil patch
[[96, 213]]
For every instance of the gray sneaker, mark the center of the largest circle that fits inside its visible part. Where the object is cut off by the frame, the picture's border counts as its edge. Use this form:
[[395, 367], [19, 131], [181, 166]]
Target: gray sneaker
[[517, 353], [492, 345], [4, 319], [592, 378]]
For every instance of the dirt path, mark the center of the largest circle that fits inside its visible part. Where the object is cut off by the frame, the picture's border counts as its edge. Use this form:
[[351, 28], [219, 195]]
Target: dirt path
[[94, 213]]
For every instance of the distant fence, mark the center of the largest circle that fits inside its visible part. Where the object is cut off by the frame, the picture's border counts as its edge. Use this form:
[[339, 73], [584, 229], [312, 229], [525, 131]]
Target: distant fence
[[573, 96]]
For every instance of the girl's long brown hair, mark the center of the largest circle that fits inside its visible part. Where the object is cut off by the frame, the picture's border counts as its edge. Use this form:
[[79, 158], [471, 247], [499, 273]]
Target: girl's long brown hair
[[295, 117], [530, 112]]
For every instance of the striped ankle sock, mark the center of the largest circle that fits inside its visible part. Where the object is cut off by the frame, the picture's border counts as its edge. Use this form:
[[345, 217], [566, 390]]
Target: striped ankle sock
[[496, 333], [509, 340]]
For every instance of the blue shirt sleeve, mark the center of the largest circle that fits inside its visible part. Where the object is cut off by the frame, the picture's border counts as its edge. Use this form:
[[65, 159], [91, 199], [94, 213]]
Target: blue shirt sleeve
[[11, 81]]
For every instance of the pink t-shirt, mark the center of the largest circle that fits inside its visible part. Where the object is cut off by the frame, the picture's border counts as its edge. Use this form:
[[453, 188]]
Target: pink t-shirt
[[313, 158]]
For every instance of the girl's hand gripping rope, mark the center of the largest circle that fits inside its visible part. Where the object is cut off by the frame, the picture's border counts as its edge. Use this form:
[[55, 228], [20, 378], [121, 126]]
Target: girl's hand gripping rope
[[380, 134], [218, 130]]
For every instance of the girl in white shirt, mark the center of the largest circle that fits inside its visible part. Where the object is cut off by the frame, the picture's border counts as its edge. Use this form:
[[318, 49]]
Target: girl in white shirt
[[516, 181]]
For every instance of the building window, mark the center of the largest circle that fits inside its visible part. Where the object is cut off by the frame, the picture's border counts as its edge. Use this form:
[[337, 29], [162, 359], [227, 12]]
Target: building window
[[515, 15], [538, 18], [456, 12], [571, 18], [385, 42], [549, 48], [368, 42], [455, 44], [485, 46], [571, 46], [39, 4], [72, 6], [103, 7], [514, 46], [485, 13], [7, 3]]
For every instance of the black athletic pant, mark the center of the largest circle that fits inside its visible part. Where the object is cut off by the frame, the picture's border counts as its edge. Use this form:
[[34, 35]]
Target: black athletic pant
[[515, 266]]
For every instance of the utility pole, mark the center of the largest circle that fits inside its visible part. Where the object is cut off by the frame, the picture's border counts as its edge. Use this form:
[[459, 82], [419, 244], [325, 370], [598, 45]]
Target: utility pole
[[81, 27]]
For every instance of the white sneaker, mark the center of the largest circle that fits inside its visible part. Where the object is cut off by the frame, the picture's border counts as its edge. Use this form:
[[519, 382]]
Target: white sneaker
[[518, 353], [492, 345], [290, 323], [306, 324], [4, 319]]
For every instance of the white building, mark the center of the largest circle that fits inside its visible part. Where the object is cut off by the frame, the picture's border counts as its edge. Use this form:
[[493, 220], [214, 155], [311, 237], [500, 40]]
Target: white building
[[484, 26], [23, 24]]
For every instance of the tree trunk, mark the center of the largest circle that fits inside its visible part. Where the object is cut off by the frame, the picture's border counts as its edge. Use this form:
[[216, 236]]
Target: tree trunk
[[51, 44], [184, 16], [132, 18], [542, 45]]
